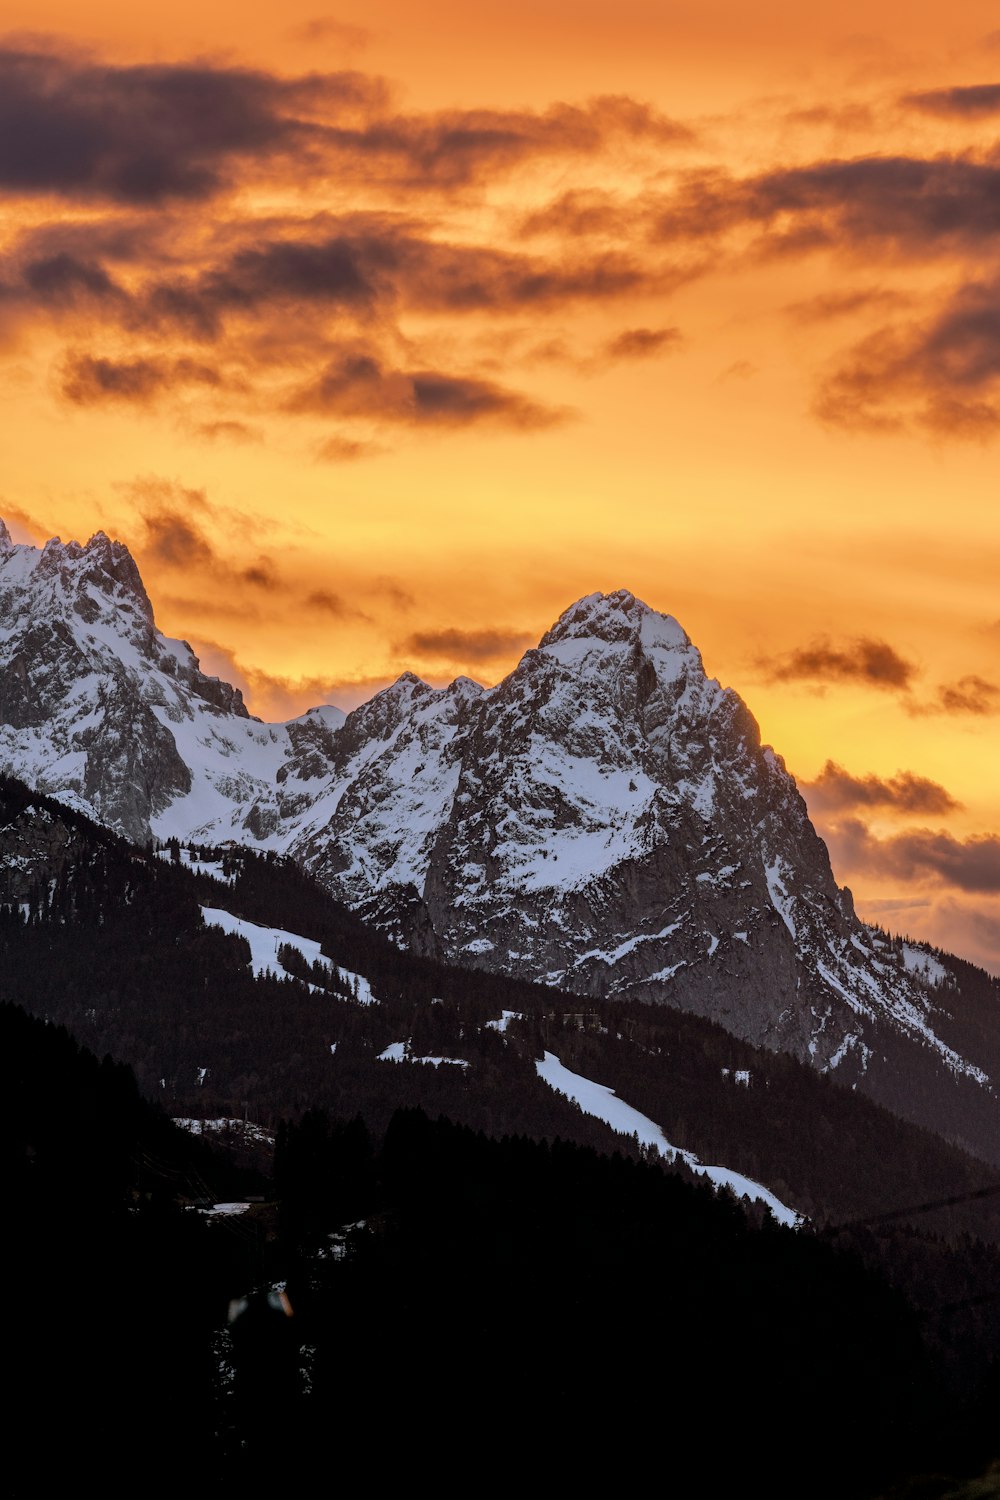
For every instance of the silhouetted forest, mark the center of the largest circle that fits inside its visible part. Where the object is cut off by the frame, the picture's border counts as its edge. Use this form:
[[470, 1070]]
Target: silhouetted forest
[[424, 1300]]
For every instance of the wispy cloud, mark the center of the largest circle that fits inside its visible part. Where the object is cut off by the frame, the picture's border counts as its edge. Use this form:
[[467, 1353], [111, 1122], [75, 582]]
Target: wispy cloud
[[454, 645]]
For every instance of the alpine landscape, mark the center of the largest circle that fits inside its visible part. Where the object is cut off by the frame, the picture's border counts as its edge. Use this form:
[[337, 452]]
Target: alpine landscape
[[441, 1044]]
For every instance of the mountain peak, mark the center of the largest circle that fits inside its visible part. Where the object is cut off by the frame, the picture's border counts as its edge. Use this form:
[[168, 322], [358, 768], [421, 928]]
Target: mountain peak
[[72, 568], [616, 617]]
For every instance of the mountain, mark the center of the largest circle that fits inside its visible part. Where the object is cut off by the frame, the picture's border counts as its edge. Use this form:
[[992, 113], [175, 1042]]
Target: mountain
[[100, 707], [605, 820]]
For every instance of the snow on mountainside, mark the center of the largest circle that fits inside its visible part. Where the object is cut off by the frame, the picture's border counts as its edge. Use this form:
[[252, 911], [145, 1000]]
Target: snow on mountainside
[[605, 818]]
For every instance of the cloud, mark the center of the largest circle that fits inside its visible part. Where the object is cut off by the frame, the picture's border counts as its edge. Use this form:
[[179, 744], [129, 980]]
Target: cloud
[[974, 101], [142, 135], [740, 369], [368, 267], [260, 574], [358, 385], [327, 603], [177, 525], [23, 527], [464, 645], [942, 375], [449, 149], [341, 450], [229, 431], [869, 662], [276, 292], [63, 279], [971, 864], [577, 212], [642, 343], [914, 206], [328, 29], [74, 125], [969, 695], [830, 305], [836, 790], [92, 381], [175, 542], [275, 697]]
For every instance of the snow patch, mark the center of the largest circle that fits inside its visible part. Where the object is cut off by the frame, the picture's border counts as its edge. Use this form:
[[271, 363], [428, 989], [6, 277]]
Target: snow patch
[[602, 1102]]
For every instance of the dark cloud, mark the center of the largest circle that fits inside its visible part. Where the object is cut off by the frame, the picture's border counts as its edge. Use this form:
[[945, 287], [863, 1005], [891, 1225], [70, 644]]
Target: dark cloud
[[331, 604], [971, 102], [260, 574], [91, 381], [836, 790], [79, 127], [971, 864], [177, 526], [61, 286], [942, 375], [969, 695], [911, 205], [464, 645], [279, 294], [869, 662], [176, 542], [374, 270], [63, 280], [358, 385], [642, 343], [73, 125]]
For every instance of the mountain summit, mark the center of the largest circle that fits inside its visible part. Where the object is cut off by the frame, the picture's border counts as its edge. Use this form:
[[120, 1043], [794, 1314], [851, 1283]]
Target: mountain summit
[[605, 819]]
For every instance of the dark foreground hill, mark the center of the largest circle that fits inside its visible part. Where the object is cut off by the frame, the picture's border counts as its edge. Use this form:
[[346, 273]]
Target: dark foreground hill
[[501, 1309]]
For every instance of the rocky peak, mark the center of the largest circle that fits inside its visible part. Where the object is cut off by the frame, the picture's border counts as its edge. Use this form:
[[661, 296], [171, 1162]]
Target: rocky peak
[[615, 618]]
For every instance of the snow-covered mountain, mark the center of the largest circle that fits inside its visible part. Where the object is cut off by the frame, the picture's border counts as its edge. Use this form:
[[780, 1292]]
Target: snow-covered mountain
[[604, 819]]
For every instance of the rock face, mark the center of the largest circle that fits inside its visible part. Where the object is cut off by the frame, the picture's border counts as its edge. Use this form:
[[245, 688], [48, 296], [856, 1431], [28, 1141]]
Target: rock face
[[605, 819]]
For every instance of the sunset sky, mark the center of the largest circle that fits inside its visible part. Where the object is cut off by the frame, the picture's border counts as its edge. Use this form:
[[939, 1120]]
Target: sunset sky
[[381, 335]]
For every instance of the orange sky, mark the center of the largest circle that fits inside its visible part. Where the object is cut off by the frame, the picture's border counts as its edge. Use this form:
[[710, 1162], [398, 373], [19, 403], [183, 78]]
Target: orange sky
[[382, 335]]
